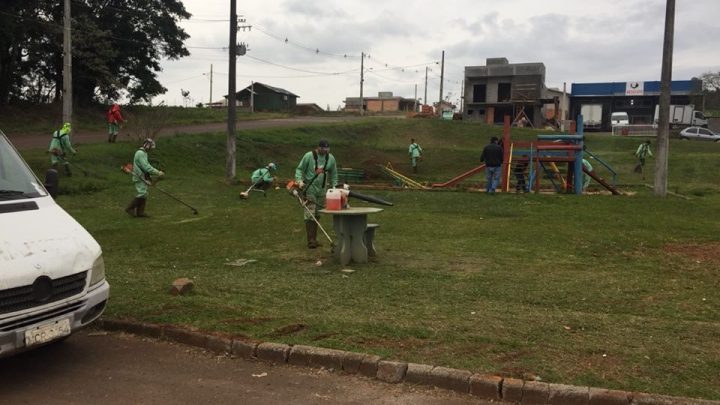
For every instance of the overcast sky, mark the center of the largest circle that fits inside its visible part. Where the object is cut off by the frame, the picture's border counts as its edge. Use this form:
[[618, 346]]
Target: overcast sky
[[578, 41]]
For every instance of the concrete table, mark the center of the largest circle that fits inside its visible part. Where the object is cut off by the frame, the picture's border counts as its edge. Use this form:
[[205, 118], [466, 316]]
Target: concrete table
[[350, 225]]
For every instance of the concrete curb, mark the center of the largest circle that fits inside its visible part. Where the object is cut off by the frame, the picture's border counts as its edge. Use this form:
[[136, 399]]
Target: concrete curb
[[488, 387]]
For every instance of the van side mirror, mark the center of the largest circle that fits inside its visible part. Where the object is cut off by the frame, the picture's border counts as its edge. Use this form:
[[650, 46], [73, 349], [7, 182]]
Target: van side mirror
[[52, 182]]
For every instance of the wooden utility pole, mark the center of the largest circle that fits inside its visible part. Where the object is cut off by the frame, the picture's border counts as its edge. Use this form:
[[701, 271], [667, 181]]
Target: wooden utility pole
[[425, 100], [231, 152], [211, 78], [415, 103], [252, 97], [462, 97], [663, 138], [442, 77], [362, 80], [67, 66]]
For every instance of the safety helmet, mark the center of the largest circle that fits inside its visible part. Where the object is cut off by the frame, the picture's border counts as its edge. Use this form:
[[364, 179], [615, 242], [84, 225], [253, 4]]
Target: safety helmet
[[148, 143], [272, 166]]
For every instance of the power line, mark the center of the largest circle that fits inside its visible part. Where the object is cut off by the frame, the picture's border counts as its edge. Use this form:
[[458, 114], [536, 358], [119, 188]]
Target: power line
[[316, 50], [301, 70]]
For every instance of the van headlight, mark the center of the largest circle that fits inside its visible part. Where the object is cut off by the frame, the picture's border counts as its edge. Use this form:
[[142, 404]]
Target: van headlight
[[97, 273]]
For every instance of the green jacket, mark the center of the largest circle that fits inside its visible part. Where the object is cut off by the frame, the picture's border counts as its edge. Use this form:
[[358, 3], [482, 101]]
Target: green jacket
[[325, 165], [141, 166], [414, 150], [262, 173], [60, 143], [643, 151]]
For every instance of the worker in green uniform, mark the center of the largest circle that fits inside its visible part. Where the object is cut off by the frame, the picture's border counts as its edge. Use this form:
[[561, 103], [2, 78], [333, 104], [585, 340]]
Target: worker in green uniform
[[415, 152], [642, 153], [316, 172], [262, 177], [60, 147], [142, 170]]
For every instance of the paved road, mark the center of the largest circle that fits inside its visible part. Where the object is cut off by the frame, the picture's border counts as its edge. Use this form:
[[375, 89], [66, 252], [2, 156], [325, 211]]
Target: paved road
[[94, 367], [41, 140]]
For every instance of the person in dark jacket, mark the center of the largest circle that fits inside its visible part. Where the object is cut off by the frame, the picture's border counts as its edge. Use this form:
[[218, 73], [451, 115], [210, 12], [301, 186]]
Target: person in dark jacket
[[492, 156]]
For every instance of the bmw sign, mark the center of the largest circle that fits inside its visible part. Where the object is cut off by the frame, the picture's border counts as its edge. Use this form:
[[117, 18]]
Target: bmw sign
[[634, 88]]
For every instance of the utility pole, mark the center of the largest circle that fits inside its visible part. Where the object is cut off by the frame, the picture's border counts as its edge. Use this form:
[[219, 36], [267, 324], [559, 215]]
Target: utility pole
[[563, 108], [663, 138], [211, 79], [252, 97], [425, 100], [67, 66], [415, 103], [362, 80], [462, 97], [442, 75], [231, 146]]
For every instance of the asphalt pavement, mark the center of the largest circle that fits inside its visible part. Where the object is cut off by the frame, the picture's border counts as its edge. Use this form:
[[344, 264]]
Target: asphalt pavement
[[97, 367]]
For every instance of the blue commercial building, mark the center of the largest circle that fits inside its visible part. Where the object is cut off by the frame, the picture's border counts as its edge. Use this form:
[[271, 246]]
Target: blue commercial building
[[638, 99]]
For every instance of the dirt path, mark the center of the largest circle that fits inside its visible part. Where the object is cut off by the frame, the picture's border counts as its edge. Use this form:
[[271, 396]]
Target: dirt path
[[41, 140], [94, 367]]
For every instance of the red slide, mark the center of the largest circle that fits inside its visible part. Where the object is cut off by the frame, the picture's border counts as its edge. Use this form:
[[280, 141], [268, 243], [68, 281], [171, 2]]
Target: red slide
[[457, 179], [602, 181]]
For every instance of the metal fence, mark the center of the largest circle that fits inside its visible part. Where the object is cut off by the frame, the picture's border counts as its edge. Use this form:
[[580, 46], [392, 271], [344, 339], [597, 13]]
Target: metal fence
[[635, 130]]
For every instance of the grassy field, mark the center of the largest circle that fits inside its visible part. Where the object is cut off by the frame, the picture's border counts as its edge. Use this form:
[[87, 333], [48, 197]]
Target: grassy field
[[617, 292], [47, 118]]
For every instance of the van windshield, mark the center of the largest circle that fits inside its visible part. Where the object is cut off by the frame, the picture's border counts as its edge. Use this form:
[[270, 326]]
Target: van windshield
[[17, 182]]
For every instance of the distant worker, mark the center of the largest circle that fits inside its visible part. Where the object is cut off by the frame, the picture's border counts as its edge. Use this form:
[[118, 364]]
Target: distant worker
[[492, 156], [60, 147], [587, 167], [643, 151], [115, 118], [262, 179], [141, 172], [415, 152], [311, 175], [520, 171]]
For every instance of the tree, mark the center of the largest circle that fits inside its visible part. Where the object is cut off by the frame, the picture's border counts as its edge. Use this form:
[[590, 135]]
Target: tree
[[117, 48], [711, 81]]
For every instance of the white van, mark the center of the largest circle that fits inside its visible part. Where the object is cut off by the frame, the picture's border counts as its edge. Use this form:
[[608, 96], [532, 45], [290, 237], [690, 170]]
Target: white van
[[52, 275], [619, 118]]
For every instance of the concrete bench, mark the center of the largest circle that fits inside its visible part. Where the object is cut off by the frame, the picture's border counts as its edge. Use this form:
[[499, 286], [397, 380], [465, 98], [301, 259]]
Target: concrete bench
[[369, 238]]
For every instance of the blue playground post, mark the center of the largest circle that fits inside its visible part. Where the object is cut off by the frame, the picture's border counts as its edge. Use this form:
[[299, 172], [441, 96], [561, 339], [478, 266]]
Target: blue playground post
[[578, 182]]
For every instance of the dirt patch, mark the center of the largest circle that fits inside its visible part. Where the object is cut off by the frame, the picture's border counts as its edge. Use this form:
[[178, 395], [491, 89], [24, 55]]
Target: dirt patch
[[288, 330], [708, 252]]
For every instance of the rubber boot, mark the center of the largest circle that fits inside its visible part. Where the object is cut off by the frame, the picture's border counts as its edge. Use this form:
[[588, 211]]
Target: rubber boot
[[114, 138], [311, 230], [415, 170], [141, 208], [131, 207], [109, 138], [67, 171]]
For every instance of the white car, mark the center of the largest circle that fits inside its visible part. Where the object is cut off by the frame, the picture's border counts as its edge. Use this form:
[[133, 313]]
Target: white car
[[703, 134], [619, 118], [52, 274]]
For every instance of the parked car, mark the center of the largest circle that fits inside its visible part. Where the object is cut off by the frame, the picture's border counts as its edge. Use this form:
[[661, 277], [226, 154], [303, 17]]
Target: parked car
[[52, 274], [619, 118], [702, 134]]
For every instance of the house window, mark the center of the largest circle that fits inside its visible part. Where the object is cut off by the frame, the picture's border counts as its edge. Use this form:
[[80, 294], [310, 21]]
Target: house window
[[479, 93], [504, 92], [470, 112], [285, 98], [481, 111]]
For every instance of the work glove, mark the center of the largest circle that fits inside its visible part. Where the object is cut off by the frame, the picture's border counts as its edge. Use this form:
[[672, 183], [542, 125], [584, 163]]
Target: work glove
[[301, 184], [161, 173], [346, 187]]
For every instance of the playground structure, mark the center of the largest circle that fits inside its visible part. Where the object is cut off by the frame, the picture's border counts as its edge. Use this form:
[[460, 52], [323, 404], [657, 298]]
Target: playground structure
[[401, 178], [544, 158]]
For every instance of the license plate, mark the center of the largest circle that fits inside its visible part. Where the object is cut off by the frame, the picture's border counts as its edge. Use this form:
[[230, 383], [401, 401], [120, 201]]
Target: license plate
[[45, 333]]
